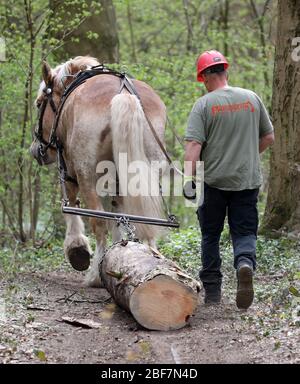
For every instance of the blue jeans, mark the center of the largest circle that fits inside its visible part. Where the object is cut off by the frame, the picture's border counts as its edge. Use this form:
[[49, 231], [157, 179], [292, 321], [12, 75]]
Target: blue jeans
[[241, 208]]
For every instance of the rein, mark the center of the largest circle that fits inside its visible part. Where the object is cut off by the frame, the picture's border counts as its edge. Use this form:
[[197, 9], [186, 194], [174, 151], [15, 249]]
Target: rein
[[44, 145]]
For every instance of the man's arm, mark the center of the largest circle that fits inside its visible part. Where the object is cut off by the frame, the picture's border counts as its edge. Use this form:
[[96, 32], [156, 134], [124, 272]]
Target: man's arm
[[192, 153], [266, 141]]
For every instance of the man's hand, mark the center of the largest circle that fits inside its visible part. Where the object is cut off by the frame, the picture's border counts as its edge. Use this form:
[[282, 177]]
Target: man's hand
[[192, 154], [266, 141], [189, 188]]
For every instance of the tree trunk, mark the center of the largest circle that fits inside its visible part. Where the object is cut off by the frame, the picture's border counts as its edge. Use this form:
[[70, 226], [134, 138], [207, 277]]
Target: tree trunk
[[225, 26], [283, 203], [27, 117], [132, 39], [36, 199], [153, 289], [189, 41], [261, 25], [105, 47]]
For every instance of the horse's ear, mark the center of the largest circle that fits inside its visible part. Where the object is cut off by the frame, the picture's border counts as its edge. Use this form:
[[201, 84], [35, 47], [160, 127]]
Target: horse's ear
[[46, 72]]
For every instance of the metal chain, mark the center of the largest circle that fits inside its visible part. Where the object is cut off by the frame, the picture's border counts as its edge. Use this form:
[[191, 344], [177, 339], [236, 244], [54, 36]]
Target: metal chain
[[127, 228]]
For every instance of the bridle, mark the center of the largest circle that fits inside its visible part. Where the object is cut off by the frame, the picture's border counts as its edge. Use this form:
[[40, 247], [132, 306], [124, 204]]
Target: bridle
[[38, 134]]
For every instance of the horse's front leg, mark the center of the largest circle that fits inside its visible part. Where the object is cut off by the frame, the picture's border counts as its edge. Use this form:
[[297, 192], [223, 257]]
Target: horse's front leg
[[99, 228], [76, 245]]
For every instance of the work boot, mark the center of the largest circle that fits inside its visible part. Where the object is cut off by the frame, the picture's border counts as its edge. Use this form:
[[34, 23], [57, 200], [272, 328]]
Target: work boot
[[244, 293], [212, 294]]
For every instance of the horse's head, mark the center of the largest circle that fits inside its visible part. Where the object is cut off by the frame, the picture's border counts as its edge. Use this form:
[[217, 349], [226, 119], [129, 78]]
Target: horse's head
[[47, 102]]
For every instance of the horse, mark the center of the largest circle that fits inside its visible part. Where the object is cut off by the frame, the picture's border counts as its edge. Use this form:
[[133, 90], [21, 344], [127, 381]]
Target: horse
[[97, 123]]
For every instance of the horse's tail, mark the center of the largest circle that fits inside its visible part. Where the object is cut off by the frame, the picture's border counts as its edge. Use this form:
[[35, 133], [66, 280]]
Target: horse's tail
[[128, 124]]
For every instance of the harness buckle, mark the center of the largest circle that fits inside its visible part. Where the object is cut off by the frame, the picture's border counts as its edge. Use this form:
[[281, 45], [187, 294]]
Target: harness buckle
[[42, 151]]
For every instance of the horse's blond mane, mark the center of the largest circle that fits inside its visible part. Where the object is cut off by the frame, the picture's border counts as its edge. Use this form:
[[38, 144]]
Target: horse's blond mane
[[72, 67], [62, 73]]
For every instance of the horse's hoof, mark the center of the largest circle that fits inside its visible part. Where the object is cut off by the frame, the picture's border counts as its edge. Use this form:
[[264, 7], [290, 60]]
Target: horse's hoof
[[79, 258]]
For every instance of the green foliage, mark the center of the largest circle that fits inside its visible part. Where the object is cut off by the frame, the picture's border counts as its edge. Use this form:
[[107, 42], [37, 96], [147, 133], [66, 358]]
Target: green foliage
[[184, 247], [160, 38], [157, 52], [277, 278], [31, 258], [29, 28], [273, 255], [159, 44]]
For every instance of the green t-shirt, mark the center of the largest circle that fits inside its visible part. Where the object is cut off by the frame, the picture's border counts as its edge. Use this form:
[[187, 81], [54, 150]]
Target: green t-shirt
[[229, 123]]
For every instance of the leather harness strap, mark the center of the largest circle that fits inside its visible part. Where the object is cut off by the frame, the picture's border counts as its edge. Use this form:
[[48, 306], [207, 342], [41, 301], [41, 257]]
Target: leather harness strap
[[81, 78], [128, 84]]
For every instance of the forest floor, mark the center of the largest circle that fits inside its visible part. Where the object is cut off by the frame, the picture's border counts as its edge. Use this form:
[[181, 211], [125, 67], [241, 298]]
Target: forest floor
[[35, 307]]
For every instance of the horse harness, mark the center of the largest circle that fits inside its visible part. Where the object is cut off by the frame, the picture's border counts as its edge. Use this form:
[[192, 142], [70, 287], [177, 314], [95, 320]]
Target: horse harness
[[54, 143]]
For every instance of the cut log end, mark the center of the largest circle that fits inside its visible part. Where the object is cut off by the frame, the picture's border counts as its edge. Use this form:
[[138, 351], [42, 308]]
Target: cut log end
[[163, 304]]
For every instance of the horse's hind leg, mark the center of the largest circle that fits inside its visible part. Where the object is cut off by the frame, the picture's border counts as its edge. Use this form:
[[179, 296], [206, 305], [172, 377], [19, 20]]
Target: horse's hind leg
[[99, 228], [76, 245]]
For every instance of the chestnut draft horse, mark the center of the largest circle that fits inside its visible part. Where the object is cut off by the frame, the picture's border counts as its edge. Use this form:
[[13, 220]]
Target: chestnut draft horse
[[96, 124]]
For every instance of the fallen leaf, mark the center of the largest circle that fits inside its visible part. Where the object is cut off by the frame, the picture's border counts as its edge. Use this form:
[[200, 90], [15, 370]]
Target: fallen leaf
[[84, 323], [36, 308], [145, 346], [277, 345], [111, 307], [117, 275], [40, 354], [131, 355], [294, 291], [108, 311]]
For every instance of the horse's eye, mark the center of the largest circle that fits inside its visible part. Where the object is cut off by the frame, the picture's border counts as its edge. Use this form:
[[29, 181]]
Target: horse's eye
[[38, 104]]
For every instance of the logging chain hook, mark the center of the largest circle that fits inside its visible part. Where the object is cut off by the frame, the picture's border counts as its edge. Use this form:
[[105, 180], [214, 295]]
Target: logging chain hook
[[127, 227]]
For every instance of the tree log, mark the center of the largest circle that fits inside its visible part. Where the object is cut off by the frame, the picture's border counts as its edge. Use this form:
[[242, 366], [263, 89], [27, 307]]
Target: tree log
[[158, 294]]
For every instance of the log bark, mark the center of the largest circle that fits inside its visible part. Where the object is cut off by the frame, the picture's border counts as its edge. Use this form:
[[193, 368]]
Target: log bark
[[158, 294]]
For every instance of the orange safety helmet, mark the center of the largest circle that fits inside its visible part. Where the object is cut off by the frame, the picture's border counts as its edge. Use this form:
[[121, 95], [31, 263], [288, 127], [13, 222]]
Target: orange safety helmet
[[209, 59]]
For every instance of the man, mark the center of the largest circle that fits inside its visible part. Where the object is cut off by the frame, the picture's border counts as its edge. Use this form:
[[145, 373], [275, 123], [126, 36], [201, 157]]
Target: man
[[229, 127]]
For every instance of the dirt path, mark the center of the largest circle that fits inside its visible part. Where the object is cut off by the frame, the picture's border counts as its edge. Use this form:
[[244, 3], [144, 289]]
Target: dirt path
[[32, 330]]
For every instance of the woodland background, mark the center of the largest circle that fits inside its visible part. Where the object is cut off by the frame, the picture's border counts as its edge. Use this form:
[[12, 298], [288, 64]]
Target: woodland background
[[157, 42]]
